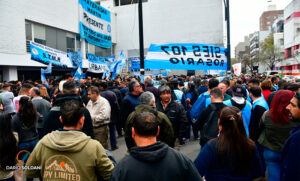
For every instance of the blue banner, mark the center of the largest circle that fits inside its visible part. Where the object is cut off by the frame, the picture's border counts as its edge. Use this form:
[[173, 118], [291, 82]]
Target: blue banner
[[134, 64], [97, 64], [46, 55], [76, 58], [94, 23], [186, 57]]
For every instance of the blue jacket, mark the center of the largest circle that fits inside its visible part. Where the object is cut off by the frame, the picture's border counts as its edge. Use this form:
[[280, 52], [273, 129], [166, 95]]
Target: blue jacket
[[208, 165], [261, 102], [290, 157], [246, 113], [199, 105]]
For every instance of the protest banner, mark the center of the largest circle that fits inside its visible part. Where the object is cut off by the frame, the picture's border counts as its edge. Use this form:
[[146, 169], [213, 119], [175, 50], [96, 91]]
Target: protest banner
[[186, 57], [46, 55]]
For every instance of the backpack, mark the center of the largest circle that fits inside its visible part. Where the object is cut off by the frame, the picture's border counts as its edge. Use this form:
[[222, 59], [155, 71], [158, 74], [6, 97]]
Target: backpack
[[210, 129]]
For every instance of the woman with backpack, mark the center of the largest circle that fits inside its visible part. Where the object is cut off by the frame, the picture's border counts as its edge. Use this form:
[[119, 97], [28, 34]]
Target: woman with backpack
[[232, 155]]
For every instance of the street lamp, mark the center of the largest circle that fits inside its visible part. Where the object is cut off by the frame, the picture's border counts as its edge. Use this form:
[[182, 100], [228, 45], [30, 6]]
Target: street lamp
[[227, 19], [141, 34]]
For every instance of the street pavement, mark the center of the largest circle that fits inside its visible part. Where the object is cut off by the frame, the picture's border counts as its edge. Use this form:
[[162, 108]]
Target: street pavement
[[190, 149]]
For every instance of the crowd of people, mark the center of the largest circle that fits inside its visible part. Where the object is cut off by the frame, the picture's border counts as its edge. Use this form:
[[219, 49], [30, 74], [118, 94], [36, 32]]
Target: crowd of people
[[248, 128]]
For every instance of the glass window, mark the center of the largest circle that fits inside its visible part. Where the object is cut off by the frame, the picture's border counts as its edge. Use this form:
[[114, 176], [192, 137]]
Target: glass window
[[28, 32], [70, 42], [40, 34], [281, 41], [78, 44], [91, 48], [61, 40], [51, 37]]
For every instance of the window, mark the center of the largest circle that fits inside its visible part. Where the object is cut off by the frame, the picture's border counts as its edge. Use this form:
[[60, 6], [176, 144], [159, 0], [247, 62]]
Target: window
[[51, 37], [78, 44], [281, 41], [28, 32], [70, 42], [127, 2], [104, 52], [40, 34]]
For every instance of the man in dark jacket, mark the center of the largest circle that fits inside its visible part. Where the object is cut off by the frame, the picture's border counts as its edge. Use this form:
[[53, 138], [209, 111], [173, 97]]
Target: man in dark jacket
[[131, 100], [152, 160], [166, 134], [290, 158], [259, 106], [216, 105], [175, 112], [42, 106], [52, 122], [115, 110], [149, 87]]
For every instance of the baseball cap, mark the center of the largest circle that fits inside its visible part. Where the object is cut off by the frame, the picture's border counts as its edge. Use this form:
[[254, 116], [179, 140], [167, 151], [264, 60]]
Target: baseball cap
[[238, 91]]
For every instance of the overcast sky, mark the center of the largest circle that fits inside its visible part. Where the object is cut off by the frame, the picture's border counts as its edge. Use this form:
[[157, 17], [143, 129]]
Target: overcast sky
[[244, 18]]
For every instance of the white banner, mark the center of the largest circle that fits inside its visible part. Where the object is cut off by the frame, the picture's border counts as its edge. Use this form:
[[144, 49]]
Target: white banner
[[97, 64], [237, 68]]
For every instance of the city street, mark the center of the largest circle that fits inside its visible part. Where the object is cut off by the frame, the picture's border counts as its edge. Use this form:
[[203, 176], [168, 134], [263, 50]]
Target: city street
[[191, 149]]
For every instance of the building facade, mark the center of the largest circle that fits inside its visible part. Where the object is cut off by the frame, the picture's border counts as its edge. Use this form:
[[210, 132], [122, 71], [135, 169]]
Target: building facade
[[55, 24], [267, 18], [291, 62]]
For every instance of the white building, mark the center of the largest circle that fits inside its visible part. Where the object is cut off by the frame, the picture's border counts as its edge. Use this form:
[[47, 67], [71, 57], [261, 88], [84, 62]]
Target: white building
[[55, 23], [291, 38]]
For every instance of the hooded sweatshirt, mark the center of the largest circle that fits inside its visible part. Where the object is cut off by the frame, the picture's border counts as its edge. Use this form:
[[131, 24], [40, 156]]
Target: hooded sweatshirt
[[69, 155], [156, 162]]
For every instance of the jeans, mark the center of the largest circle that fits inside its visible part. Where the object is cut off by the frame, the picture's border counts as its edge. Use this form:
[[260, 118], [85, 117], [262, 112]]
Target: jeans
[[195, 131], [112, 135], [272, 160], [28, 146]]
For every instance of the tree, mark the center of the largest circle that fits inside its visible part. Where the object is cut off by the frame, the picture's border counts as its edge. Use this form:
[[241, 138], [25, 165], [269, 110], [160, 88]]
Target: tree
[[269, 54]]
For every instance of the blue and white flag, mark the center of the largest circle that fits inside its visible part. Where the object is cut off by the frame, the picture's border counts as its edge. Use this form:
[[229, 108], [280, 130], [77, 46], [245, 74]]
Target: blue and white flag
[[119, 65], [186, 57], [78, 73], [48, 70], [46, 55], [75, 58], [94, 23], [97, 64]]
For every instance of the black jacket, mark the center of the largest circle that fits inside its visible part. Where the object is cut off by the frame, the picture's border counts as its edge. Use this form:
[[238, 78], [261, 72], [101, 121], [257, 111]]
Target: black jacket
[[154, 90], [114, 105], [177, 116], [256, 114], [203, 118], [52, 122], [156, 162]]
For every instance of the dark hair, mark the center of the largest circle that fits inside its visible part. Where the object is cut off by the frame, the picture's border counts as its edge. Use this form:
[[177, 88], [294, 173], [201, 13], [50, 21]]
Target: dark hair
[[255, 90], [69, 87], [273, 79], [281, 84], [292, 87], [226, 82], [26, 86], [93, 89], [27, 112], [297, 96], [254, 81], [192, 88], [163, 89], [145, 124], [278, 111], [213, 83], [233, 144], [68, 75], [216, 93], [6, 86], [131, 85], [103, 84], [8, 143], [36, 91], [71, 112]]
